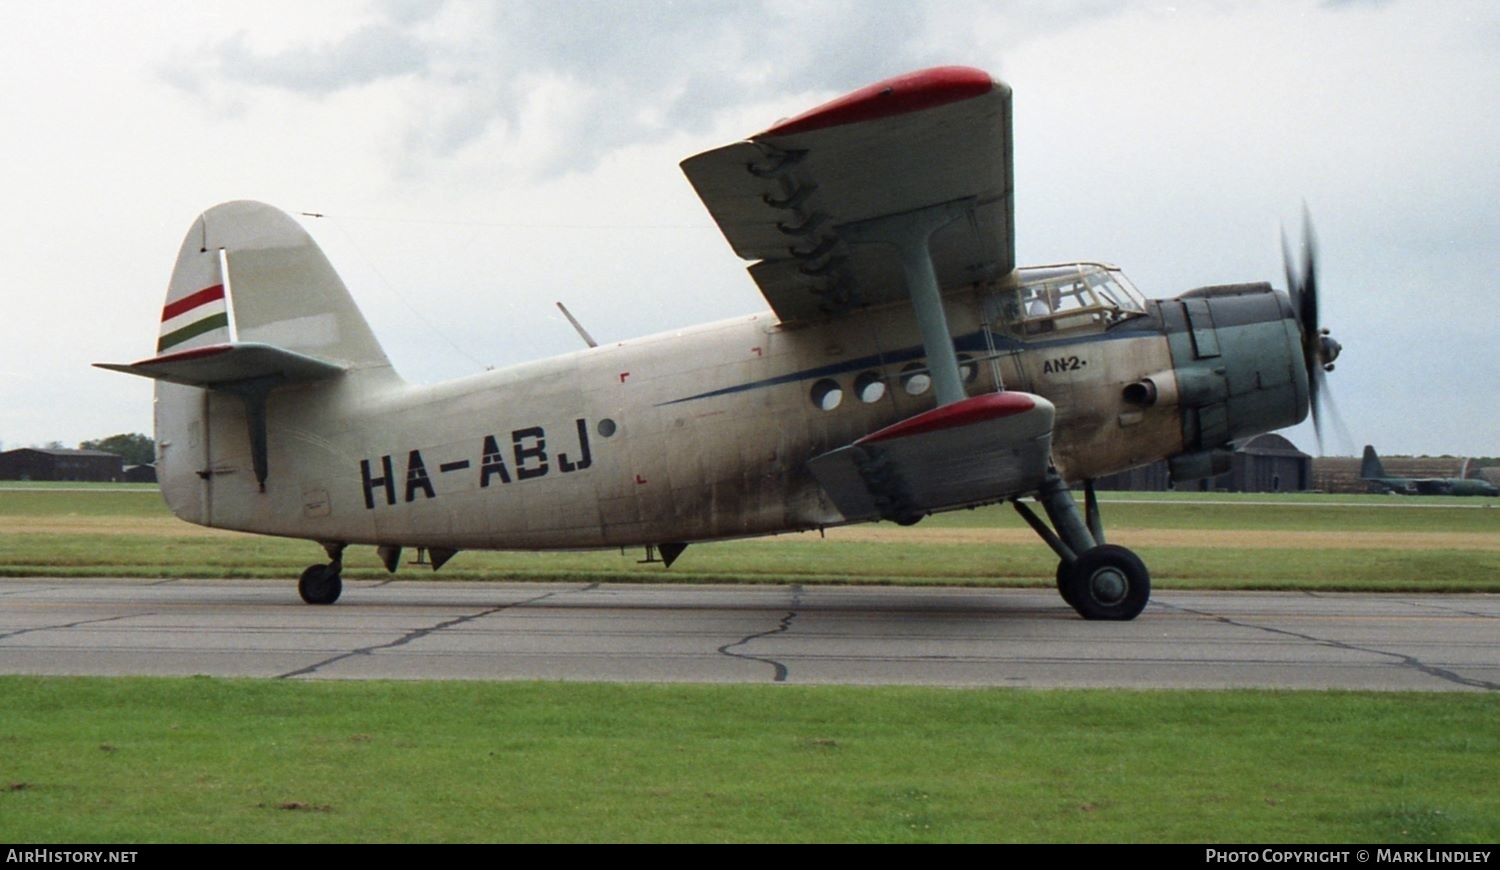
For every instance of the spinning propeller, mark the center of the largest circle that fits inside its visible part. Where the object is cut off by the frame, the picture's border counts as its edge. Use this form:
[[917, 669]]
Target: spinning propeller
[[1319, 349]]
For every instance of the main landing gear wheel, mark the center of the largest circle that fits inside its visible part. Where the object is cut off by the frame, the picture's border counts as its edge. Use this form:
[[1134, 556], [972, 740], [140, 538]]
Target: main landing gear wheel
[[1063, 587], [320, 584], [1106, 582], [1099, 580]]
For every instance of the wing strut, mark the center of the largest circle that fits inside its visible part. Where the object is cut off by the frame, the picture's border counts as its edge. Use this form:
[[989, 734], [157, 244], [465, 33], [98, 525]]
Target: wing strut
[[909, 233]]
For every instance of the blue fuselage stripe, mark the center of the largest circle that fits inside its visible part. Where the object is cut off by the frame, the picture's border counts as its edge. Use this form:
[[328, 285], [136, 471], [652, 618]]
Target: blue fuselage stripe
[[972, 342]]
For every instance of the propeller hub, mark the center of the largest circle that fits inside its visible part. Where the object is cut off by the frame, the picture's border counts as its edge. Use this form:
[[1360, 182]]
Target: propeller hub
[[1328, 350]]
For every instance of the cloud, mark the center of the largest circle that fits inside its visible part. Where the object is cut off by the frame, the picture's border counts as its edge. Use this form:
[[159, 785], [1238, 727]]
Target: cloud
[[562, 83], [369, 54]]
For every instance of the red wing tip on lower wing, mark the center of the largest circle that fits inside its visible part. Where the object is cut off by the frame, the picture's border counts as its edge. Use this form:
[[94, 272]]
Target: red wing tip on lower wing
[[912, 92], [977, 409]]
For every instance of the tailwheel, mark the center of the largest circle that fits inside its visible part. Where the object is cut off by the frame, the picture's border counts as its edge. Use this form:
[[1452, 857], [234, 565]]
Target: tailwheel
[[321, 584], [1106, 582]]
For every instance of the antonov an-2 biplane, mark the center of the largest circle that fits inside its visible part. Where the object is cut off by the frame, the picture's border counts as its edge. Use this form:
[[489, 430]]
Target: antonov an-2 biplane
[[907, 367]]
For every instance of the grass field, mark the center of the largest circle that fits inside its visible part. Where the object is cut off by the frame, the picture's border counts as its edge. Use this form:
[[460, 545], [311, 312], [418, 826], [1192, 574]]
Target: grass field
[[143, 760], [1372, 543]]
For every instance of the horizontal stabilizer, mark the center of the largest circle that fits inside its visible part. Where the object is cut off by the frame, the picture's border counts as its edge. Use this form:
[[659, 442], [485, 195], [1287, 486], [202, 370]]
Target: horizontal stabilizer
[[982, 449], [223, 365]]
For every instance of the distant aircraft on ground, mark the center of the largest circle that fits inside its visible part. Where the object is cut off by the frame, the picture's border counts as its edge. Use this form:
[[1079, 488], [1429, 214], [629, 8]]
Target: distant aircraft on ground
[[907, 367], [1371, 469]]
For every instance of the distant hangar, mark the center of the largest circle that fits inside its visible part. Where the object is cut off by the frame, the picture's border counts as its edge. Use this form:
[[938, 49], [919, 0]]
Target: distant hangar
[[39, 463]]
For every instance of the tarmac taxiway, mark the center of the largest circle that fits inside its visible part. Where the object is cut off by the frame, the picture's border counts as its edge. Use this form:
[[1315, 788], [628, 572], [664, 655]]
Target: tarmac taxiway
[[794, 634]]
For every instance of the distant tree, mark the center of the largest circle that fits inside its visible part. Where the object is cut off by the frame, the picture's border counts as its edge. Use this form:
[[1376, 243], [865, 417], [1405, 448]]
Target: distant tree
[[135, 448]]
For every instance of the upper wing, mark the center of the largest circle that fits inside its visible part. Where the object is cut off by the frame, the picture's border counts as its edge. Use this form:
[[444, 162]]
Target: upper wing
[[936, 136]]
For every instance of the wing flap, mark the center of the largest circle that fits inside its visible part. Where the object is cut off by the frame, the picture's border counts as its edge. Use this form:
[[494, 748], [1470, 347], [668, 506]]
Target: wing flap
[[982, 449], [222, 365], [927, 138]]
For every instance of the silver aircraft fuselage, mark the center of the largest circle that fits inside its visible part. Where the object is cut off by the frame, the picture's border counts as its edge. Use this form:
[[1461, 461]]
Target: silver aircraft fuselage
[[704, 433]]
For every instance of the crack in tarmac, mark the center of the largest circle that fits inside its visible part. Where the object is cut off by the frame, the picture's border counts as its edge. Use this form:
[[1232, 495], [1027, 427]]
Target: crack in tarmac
[[24, 590], [779, 673], [20, 631], [1457, 610], [1402, 659], [419, 633]]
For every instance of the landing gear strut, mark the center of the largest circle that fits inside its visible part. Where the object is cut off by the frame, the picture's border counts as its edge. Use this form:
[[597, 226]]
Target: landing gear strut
[[321, 584], [1099, 580]]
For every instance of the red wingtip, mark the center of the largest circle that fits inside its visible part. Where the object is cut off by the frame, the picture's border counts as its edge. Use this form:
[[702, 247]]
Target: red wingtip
[[975, 409], [913, 92]]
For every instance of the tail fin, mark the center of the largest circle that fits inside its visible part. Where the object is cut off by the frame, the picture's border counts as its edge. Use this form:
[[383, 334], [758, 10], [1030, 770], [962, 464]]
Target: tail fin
[[1371, 468], [253, 305], [249, 273], [253, 293]]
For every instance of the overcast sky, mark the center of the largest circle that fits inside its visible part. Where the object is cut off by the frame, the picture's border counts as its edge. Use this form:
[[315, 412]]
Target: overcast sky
[[478, 161]]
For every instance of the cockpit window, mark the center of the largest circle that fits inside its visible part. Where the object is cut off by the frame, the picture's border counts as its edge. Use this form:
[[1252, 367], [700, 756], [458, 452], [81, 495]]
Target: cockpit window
[[1067, 297], [1113, 289]]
